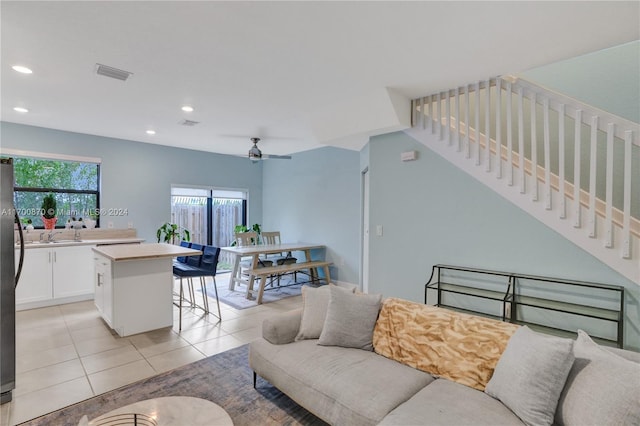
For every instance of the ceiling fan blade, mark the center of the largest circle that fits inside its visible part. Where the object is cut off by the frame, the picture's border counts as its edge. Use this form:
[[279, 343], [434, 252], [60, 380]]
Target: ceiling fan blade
[[276, 157]]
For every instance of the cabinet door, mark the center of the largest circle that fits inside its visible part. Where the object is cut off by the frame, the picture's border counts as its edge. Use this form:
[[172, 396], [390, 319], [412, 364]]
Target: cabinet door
[[103, 297], [35, 283], [72, 271]]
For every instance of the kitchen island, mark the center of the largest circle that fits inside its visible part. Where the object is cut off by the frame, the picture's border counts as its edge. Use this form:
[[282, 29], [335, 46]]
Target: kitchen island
[[134, 285]]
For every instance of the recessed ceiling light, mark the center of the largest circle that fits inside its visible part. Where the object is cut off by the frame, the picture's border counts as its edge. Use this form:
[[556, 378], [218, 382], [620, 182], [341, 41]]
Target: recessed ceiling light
[[187, 108], [22, 69], [20, 109], [151, 132]]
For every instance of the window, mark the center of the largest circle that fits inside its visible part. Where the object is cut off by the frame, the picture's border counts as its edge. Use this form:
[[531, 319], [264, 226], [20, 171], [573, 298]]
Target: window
[[74, 184], [210, 215]]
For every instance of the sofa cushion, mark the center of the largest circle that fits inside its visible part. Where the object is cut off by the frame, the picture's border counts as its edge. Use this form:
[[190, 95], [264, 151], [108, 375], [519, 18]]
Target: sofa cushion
[[339, 385], [444, 402], [602, 388], [460, 347], [283, 327], [531, 374], [315, 302], [350, 319]]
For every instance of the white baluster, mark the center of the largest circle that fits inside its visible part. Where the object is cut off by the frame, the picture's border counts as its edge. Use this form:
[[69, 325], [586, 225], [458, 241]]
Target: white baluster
[[592, 176], [422, 116], [576, 169], [430, 122], [561, 177], [458, 139], [626, 220], [448, 106], [521, 139], [487, 126], [466, 121], [477, 123], [509, 137], [547, 156], [498, 128], [534, 149], [608, 219], [439, 115]]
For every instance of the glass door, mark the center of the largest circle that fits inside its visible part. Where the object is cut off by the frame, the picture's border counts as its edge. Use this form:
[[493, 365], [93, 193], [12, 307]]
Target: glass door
[[210, 215]]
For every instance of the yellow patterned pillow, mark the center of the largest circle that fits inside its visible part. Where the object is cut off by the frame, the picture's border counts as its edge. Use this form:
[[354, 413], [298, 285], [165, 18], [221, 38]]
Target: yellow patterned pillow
[[456, 346]]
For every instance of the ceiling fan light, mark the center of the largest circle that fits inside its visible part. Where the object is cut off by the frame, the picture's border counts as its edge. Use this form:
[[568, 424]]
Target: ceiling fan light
[[255, 153]]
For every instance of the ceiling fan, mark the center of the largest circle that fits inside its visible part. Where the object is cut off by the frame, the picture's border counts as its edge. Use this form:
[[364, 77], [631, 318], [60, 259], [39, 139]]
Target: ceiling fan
[[256, 155]]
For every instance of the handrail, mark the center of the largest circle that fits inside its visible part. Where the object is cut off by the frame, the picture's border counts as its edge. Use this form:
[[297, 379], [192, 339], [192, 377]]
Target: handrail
[[459, 120]]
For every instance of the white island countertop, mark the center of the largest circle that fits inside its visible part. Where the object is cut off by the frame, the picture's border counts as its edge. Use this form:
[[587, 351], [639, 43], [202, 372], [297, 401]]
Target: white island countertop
[[122, 252]]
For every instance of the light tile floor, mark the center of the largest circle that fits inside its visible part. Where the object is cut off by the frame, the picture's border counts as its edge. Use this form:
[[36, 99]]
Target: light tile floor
[[66, 353]]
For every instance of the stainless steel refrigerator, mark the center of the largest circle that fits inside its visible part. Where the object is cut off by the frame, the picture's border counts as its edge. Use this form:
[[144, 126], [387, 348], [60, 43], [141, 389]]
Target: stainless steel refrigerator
[[9, 277]]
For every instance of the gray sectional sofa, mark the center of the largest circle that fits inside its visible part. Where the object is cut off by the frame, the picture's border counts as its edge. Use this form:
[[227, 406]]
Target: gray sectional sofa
[[354, 386]]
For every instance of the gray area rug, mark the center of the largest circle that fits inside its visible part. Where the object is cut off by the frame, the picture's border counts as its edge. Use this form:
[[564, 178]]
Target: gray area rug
[[224, 379], [236, 298]]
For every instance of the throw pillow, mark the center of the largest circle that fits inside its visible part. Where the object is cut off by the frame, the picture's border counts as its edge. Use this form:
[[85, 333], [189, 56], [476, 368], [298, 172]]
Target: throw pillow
[[315, 302], [456, 346], [350, 319], [602, 389], [531, 374]]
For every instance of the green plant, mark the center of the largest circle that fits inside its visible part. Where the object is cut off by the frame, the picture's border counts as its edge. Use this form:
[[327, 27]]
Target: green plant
[[26, 221], [243, 228], [49, 206], [170, 231]]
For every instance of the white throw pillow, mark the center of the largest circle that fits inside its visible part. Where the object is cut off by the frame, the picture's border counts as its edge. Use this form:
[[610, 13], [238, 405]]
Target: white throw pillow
[[531, 374], [315, 302], [602, 389]]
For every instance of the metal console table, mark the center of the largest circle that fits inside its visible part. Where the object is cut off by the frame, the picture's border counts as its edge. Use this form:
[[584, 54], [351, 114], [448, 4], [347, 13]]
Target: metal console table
[[549, 305]]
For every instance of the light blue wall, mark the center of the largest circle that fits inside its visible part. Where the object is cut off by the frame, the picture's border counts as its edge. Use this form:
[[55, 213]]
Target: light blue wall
[[608, 79], [432, 213], [138, 176], [315, 197]]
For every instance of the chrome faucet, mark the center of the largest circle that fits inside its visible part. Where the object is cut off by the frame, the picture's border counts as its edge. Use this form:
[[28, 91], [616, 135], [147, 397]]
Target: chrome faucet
[[53, 234], [41, 235], [76, 235]]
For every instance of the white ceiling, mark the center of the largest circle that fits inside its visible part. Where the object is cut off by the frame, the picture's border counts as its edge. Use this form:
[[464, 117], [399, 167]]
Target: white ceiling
[[298, 74]]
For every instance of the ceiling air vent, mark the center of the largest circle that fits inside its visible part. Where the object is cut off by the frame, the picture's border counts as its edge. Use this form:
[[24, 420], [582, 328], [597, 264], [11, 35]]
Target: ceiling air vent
[[112, 72], [190, 123]]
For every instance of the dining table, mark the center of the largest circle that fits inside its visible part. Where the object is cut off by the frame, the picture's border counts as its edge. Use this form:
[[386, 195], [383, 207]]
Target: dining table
[[254, 251]]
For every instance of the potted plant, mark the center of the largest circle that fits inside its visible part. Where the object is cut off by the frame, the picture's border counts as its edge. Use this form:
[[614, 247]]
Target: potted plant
[[49, 208], [28, 223], [242, 228], [169, 232]]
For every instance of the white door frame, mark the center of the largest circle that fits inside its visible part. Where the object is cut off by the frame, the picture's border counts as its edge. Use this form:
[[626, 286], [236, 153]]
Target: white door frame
[[364, 273]]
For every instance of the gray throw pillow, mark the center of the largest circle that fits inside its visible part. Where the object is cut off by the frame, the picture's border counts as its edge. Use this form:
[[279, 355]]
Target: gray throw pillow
[[350, 319], [315, 302], [602, 389], [531, 374]]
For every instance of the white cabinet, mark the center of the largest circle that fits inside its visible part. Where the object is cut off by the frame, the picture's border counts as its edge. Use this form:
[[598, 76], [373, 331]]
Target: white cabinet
[[35, 283], [103, 297], [55, 275], [134, 296], [72, 271]]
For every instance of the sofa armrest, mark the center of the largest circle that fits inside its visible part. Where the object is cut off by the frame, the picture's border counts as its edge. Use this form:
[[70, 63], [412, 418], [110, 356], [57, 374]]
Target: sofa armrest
[[282, 328]]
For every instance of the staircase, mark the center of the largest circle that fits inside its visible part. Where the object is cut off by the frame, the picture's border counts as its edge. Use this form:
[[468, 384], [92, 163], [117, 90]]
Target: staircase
[[573, 167]]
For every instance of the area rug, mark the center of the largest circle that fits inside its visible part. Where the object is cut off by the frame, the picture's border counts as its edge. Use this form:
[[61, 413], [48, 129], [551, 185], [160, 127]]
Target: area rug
[[236, 298], [224, 379]]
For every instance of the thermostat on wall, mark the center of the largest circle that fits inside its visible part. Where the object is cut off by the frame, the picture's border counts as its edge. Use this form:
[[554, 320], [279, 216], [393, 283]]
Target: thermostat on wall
[[409, 155]]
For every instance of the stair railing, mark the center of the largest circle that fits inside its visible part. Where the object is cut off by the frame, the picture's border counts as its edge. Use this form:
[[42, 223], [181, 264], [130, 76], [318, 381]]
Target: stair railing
[[532, 135]]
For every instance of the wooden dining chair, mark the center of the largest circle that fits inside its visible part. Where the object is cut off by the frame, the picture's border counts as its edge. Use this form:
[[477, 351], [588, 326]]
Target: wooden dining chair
[[272, 238], [245, 239]]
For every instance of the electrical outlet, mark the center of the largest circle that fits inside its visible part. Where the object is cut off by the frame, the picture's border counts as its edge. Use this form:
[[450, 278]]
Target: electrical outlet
[[130, 225], [379, 230], [110, 225]]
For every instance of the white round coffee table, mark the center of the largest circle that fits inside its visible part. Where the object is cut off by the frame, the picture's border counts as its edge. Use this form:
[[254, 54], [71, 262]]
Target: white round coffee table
[[170, 411]]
